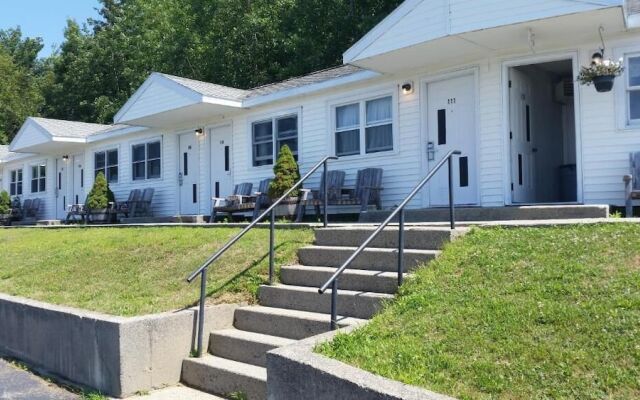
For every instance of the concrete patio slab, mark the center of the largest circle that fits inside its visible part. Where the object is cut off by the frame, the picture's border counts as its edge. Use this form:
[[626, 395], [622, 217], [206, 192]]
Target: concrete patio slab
[[177, 393]]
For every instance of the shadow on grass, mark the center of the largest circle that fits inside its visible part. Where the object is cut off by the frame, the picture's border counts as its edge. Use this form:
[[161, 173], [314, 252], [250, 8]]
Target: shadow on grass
[[237, 277]]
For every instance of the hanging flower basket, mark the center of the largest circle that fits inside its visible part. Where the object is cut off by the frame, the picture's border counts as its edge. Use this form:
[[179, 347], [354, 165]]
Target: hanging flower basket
[[601, 74]]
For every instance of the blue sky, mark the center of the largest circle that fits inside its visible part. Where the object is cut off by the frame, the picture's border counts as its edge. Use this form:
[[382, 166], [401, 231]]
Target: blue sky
[[45, 18]]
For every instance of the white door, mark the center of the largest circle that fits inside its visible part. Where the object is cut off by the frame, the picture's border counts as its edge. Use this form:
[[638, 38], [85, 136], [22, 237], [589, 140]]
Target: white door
[[451, 125], [521, 138], [221, 179], [61, 188], [78, 196], [188, 174]]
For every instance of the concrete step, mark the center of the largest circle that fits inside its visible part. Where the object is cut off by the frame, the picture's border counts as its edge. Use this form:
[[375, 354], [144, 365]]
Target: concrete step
[[415, 237], [511, 213], [220, 376], [291, 324], [351, 279], [372, 258], [350, 303], [244, 346]]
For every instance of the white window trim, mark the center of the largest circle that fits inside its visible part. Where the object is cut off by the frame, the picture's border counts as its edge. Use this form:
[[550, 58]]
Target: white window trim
[[621, 88], [274, 116], [106, 165], [362, 99], [145, 141], [31, 178], [11, 182]]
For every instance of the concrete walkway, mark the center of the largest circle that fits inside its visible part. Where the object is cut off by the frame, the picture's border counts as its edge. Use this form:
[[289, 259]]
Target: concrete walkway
[[177, 393], [17, 384]]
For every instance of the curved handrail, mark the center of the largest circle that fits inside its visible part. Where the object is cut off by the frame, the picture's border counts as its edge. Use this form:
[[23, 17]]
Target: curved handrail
[[231, 242], [202, 270], [400, 209]]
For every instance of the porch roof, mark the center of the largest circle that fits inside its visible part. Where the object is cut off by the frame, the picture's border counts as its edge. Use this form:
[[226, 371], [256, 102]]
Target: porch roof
[[424, 33], [166, 101], [44, 135]]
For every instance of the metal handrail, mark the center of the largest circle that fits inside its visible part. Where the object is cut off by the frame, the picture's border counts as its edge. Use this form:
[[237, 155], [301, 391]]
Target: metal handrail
[[333, 281], [202, 270]]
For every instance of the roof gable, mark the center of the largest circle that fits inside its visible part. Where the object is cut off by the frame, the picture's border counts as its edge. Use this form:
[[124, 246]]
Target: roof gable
[[30, 133], [418, 21]]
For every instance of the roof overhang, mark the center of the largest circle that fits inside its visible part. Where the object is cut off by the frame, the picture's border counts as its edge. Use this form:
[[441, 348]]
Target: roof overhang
[[550, 33], [33, 138], [161, 102]]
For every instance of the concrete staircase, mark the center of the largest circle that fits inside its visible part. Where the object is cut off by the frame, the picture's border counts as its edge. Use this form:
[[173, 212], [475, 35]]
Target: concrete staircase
[[293, 310]]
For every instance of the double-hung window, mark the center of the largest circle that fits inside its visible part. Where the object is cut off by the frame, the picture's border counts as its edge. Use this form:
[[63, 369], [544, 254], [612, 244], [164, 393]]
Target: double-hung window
[[366, 124], [38, 178], [146, 160], [107, 163], [633, 89], [15, 186], [268, 137]]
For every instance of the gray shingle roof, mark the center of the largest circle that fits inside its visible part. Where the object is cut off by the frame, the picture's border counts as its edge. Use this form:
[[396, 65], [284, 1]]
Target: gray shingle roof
[[229, 93], [74, 129], [209, 89], [305, 80]]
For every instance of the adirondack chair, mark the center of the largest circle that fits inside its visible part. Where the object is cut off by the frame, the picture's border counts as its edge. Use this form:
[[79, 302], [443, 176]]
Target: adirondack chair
[[142, 207], [237, 202], [128, 207], [632, 184], [32, 210], [367, 190], [335, 184], [262, 199]]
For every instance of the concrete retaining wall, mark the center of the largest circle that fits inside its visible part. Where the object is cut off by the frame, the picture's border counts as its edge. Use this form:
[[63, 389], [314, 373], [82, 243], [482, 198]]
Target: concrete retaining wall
[[115, 355], [296, 372]]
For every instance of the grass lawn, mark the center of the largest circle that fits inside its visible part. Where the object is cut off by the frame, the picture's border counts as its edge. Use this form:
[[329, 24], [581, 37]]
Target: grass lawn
[[135, 271], [527, 313]]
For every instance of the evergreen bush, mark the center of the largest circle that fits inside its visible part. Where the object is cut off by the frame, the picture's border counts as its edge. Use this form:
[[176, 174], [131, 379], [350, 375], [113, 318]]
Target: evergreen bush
[[5, 203], [286, 174], [100, 195]]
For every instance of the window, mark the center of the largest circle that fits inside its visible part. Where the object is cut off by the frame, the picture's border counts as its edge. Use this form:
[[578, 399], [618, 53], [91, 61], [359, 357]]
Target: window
[[366, 124], [38, 178], [146, 161], [107, 163], [633, 89], [269, 136], [15, 186]]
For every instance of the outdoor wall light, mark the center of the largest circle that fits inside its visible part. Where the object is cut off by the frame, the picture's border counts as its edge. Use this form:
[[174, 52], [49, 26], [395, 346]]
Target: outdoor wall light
[[407, 87], [65, 158], [596, 58], [199, 132]]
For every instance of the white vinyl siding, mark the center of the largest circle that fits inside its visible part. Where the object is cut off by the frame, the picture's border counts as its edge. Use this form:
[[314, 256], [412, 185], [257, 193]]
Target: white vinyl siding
[[15, 185], [107, 162], [364, 127], [268, 136]]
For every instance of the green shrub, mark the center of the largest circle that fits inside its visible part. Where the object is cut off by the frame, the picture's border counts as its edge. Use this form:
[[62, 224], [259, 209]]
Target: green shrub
[[286, 174], [100, 195], [5, 203]]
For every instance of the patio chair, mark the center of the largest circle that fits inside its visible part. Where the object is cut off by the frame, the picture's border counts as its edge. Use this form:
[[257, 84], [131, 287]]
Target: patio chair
[[142, 208], [237, 202], [17, 212], [366, 192], [77, 213], [32, 210], [262, 199], [315, 198], [128, 207], [632, 183]]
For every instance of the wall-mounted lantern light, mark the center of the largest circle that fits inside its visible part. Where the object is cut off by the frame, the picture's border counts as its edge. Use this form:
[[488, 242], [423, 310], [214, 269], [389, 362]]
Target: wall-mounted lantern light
[[407, 87], [65, 158], [199, 132]]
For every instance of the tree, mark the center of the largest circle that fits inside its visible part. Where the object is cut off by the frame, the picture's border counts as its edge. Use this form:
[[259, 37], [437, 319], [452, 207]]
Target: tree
[[19, 97], [100, 195], [286, 174]]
